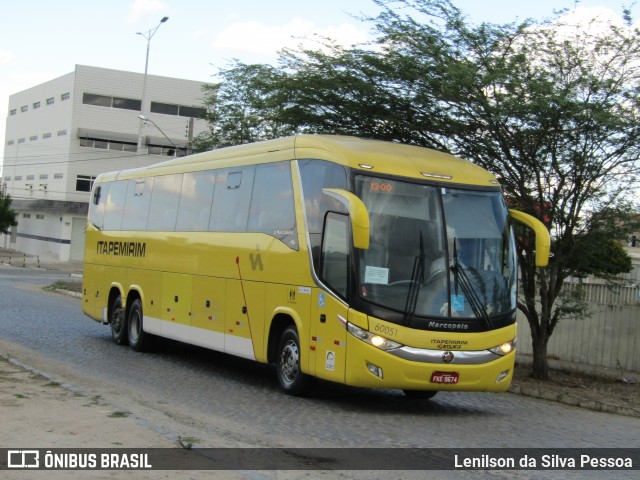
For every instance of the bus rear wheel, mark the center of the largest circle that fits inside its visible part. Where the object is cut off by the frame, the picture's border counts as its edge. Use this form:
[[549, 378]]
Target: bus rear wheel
[[290, 376], [139, 340], [118, 321]]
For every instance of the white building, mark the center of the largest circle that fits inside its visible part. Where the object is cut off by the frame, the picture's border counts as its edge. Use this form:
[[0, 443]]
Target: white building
[[61, 134]]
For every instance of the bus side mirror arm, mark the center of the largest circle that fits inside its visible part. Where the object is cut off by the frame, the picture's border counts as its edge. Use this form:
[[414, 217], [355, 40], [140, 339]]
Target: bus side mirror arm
[[358, 214], [543, 242]]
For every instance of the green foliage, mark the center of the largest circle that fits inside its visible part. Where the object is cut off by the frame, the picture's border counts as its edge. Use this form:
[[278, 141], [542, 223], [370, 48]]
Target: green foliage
[[551, 109], [7, 215]]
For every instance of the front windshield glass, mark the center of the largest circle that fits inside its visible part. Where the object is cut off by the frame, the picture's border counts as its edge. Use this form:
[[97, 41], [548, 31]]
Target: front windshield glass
[[436, 252]]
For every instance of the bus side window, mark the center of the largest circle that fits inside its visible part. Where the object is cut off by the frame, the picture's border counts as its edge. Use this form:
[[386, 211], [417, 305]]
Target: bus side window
[[231, 199], [164, 203], [136, 207], [272, 210], [334, 259], [114, 206], [316, 175], [97, 206], [194, 210]]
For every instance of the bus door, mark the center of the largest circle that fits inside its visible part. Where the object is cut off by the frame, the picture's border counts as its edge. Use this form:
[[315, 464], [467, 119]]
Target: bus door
[[330, 311], [328, 338]]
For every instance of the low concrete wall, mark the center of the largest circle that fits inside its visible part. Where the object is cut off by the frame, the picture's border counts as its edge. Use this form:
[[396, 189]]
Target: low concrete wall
[[609, 338]]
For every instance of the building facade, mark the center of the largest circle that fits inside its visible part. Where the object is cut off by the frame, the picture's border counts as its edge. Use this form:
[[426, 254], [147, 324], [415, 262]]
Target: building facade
[[61, 134]]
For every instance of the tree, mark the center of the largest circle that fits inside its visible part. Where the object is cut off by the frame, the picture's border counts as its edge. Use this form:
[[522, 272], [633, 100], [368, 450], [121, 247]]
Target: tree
[[551, 109], [7, 216]]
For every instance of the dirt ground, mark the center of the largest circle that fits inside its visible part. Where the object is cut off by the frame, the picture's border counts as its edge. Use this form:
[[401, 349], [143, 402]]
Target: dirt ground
[[617, 390]]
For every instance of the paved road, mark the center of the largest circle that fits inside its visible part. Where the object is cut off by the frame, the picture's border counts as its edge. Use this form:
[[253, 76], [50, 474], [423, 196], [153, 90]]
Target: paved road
[[220, 400]]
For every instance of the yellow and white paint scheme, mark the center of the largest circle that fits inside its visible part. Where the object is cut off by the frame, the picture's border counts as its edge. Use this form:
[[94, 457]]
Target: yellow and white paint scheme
[[236, 290]]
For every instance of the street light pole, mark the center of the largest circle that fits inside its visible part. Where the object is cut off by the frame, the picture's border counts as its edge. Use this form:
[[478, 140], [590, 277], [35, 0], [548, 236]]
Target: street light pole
[[147, 119], [148, 36]]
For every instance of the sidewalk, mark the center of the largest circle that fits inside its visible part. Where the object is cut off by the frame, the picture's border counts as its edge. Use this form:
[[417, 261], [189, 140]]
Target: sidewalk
[[23, 260]]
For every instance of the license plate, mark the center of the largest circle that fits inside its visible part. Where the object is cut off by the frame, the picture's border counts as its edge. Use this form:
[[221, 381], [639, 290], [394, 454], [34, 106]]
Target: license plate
[[449, 378]]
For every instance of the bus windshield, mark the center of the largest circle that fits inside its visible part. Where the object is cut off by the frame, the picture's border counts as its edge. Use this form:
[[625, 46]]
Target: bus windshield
[[436, 251]]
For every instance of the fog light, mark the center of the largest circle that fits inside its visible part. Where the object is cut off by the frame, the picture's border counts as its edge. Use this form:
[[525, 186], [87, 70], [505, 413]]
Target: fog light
[[502, 376], [377, 371]]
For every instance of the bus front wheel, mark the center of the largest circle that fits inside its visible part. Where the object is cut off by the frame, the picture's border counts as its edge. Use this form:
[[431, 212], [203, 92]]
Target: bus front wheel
[[118, 321], [290, 376]]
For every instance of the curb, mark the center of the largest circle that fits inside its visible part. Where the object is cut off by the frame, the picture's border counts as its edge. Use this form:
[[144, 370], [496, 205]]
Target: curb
[[573, 400]]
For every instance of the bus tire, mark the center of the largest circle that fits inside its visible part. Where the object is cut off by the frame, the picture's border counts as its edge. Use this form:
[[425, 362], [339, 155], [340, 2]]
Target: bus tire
[[420, 394], [118, 321], [290, 376], [139, 340]]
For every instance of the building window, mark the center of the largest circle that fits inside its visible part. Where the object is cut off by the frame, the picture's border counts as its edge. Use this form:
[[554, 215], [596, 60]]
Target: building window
[[191, 112], [50, 101], [39, 216], [58, 176], [181, 110], [62, 133], [46, 135], [84, 183], [33, 137], [10, 142], [108, 144], [36, 105], [13, 111], [115, 102], [21, 140], [18, 178], [43, 176], [24, 108], [8, 178], [26, 215], [165, 108], [92, 99], [65, 96], [31, 177], [127, 103]]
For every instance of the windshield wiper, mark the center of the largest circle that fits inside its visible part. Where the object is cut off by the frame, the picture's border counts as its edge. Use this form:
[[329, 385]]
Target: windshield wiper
[[417, 278], [461, 278]]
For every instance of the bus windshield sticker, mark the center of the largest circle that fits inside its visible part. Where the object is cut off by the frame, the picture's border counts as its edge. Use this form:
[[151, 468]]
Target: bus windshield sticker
[[377, 275], [457, 303]]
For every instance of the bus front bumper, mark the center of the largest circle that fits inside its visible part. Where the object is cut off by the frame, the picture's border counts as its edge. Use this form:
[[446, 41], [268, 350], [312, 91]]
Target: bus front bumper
[[371, 367]]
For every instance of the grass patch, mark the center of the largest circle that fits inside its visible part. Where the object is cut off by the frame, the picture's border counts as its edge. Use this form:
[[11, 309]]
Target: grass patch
[[119, 414], [62, 285]]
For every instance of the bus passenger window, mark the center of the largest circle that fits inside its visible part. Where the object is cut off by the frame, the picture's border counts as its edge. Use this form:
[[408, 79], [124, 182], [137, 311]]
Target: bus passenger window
[[164, 203], [272, 210], [195, 201], [114, 207], [136, 207], [231, 199]]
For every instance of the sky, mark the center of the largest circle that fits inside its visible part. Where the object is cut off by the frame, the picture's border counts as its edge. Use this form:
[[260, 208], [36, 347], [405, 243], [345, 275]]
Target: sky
[[43, 39]]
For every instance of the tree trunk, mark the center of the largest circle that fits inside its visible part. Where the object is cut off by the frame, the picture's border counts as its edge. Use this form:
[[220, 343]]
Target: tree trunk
[[540, 362]]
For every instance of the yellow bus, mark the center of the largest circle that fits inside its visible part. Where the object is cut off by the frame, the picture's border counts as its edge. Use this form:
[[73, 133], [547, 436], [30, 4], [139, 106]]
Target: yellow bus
[[362, 262]]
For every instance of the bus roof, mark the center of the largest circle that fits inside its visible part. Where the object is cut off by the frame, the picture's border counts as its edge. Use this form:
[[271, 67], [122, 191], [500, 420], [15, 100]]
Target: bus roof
[[370, 155]]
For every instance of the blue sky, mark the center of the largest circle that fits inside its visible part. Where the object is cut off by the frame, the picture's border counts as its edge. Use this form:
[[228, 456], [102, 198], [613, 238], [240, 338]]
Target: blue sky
[[43, 39]]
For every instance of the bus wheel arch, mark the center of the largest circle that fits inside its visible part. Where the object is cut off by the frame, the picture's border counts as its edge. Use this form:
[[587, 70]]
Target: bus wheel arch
[[117, 316], [285, 352]]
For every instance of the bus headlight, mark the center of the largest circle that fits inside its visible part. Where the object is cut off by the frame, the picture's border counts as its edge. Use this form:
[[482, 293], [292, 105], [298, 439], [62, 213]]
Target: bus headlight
[[505, 348], [375, 340]]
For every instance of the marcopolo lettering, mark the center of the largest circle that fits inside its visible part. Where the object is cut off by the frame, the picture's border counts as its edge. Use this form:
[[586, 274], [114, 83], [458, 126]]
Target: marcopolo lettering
[[124, 249]]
